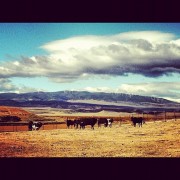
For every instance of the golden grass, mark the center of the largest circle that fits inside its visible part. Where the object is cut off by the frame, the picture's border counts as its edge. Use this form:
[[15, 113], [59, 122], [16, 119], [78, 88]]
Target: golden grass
[[154, 139], [62, 114]]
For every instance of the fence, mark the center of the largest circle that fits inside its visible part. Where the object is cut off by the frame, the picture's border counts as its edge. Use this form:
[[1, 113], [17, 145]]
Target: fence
[[153, 116], [14, 127]]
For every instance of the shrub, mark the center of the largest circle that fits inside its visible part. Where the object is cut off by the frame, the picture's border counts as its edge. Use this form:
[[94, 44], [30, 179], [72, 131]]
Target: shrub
[[10, 118]]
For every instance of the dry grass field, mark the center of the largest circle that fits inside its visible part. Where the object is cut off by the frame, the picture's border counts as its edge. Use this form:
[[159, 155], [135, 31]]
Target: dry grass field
[[61, 115], [154, 139]]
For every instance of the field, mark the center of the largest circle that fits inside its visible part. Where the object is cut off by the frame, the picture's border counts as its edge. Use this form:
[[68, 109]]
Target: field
[[62, 114], [155, 139]]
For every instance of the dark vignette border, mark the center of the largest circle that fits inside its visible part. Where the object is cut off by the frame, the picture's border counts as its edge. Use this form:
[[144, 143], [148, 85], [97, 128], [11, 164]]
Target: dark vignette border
[[89, 11]]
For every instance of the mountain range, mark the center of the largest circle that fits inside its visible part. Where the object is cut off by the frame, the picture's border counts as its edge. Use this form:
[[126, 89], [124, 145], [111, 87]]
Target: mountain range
[[84, 99]]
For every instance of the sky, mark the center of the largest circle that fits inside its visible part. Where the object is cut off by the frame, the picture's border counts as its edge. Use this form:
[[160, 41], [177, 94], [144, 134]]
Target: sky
[[133, 58]]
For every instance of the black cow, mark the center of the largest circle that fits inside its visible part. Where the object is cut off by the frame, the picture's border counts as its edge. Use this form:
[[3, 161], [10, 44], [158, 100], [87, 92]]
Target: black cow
[[102, 121], [69, 123], [34, 125], [87, 121], [138, 120], [30, 125], [76, 123]]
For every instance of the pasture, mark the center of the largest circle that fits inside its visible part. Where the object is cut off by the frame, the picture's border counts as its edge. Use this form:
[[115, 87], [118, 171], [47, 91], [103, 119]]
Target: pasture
[[154, 139]]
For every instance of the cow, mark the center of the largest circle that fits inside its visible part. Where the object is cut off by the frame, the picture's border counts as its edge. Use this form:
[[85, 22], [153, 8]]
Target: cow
[[69, 123], [138, 120], [106, 121], [110, 121], [76, 123], [30, 125], [34, 125], [102, 121], [87, 121]]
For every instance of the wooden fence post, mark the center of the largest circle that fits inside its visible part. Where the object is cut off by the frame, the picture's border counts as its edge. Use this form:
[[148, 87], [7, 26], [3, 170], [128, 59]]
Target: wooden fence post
[[120, 120], [165, 116], [174, 116]]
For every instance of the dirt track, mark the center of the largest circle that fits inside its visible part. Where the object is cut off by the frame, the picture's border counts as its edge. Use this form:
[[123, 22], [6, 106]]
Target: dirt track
[[154, 139]]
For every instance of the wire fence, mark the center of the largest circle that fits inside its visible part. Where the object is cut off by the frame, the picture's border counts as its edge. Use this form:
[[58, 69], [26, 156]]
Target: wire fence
[[153, 116], [14, 127]]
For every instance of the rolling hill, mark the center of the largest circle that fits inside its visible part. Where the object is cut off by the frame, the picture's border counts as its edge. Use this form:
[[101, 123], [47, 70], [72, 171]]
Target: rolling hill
[[81, 95], [86, 101]]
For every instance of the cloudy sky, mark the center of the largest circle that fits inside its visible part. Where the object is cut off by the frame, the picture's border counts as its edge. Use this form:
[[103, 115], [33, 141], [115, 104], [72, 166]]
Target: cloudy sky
[[135, 58]]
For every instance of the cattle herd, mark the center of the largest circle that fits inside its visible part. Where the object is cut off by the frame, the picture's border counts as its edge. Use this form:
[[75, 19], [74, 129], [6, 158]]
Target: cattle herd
[[107, 122], [82, 122]]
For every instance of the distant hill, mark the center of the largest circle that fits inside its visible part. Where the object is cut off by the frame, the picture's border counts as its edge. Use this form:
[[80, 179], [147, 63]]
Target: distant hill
[[86, 101], [15, 114], [6, 111], [82, 95]]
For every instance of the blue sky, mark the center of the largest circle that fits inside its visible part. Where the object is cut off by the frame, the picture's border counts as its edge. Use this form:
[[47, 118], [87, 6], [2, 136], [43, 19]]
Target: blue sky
[[137, 58], [17, 39]]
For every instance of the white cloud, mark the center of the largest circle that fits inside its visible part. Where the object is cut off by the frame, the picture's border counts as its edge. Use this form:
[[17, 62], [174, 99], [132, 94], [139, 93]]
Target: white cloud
[[167, 90], [161, 89], [98, 89], [151, 36], [150, 53], [6, 85]]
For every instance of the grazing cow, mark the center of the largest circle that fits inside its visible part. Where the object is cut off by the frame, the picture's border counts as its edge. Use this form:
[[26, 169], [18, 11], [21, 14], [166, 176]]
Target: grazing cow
[[102, 121], [34, 125], [110, 121], [87, 121], [76, 123], [138, 120], [69, 123], [30, 125]]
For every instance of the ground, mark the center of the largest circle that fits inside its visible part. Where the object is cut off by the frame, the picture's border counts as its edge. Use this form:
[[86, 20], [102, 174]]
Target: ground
[[154, 139]]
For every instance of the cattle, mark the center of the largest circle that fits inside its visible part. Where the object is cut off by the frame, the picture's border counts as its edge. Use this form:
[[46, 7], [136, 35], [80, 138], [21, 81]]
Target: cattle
[[69, 123], [138, 120], [102, 121], [34, 125], [110, 121], [87, 121], [76, 123], [30, 125]]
